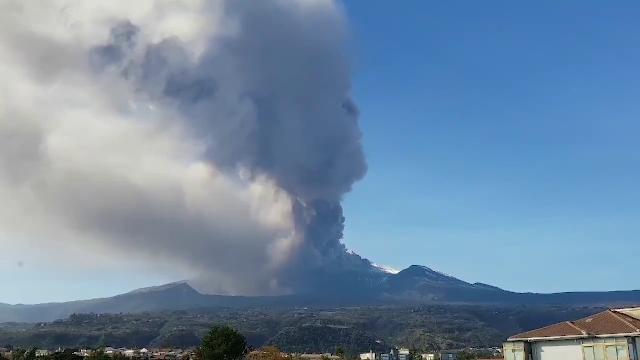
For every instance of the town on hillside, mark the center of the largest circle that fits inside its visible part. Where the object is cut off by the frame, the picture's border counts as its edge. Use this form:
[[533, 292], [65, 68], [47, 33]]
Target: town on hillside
[[226, 343], [611, 334], [110, 353]]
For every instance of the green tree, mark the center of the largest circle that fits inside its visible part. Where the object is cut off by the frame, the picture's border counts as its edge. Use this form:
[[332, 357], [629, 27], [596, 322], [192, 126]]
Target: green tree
[[98, 355], [18, 354], [340, 352], [466, 355], [414, 354], [267, 353], [119, 356], [30, 355], [222, 343], [67, 354]]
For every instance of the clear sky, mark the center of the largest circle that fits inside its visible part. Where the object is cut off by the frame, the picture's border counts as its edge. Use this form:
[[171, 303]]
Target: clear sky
[[502, 143], [502, 140]]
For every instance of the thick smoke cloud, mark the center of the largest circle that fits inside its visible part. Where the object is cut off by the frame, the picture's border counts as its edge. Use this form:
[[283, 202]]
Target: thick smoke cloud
[[216, 135]]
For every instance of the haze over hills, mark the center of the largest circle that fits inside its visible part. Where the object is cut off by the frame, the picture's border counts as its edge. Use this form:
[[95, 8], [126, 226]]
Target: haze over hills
[[413, 285]]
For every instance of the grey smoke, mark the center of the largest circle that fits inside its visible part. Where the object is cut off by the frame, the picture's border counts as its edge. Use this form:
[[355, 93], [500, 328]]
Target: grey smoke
[[300, 125], [267, 102], [288, 70]]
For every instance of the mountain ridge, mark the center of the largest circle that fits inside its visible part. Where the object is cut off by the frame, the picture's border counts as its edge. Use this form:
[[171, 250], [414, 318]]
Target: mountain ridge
[[415, 284]]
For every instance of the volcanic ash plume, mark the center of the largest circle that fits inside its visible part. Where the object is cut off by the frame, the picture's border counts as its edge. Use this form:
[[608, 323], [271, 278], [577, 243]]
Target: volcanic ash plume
[[217, 135]]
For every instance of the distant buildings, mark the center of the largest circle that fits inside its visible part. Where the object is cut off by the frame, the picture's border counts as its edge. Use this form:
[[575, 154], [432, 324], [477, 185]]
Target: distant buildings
[[149, 354], [404, 354], [396, 354], [189, 354], [613, 334], [319, 356]]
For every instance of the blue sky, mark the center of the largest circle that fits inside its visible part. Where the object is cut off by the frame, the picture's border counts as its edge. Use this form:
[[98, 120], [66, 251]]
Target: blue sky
[[502, 146], [501, 139]]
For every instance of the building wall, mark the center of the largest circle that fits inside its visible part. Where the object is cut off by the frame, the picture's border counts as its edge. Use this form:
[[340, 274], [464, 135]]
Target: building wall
[[557, 350]]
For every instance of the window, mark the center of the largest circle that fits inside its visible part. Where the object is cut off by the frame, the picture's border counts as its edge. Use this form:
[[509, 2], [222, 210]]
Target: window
[[623, 351], [518, 355], [514, 351], [611, 352], [514, 354], [593, 352], [605, 351]]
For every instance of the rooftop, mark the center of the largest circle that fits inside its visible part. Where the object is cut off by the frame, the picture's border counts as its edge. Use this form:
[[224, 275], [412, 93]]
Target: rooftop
[[611, 322]]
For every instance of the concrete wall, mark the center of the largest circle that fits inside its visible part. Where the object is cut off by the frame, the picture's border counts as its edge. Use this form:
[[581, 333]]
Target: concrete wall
[[573, 349], [557, 350]]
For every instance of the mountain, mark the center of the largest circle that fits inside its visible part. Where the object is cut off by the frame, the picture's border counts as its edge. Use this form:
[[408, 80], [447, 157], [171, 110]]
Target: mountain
[[413, 285], [173, 296], [423, 284]]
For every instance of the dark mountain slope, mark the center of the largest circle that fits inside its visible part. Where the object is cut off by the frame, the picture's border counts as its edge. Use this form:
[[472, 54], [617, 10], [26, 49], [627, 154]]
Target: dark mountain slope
[[414, 285], [355, 328]]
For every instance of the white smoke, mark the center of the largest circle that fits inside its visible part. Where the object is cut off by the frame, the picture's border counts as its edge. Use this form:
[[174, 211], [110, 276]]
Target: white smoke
[[215, 135]]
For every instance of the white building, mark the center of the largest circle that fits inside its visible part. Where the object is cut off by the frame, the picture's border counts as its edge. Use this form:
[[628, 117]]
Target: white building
[[83, 352], [610, 335], [111, 351], [428, 356], [130, 353], [447, 355], [368, 356], [42, 352], [403, 354]]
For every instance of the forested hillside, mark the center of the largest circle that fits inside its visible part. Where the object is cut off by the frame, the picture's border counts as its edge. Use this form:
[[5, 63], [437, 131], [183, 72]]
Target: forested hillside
[[355, 329]]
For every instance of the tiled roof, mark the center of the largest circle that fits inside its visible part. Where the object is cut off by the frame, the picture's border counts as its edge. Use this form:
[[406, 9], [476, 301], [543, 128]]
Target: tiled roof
[[608, 322], [560, 329]]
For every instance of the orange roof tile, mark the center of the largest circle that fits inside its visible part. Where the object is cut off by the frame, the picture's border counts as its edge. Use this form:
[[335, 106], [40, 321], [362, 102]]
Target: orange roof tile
[[555, 330], [608, 322]]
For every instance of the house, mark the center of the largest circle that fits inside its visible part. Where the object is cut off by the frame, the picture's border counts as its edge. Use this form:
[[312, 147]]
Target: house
[[404, 354], [428, 356], [391, 355], [84, 352], [111, 351], [42, 352], [368, 356], [613, 334], [130, 353], [448, 355]]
